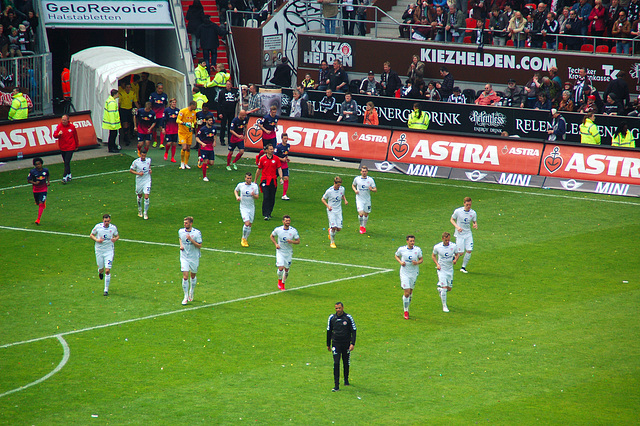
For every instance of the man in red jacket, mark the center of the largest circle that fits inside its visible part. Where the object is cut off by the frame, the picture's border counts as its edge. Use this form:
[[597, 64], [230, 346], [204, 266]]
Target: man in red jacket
[[67, 136]]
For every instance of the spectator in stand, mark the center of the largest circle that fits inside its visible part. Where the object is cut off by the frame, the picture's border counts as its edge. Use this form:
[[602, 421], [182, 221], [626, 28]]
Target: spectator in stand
[[562, 19], [303, 93], [635, 108], [477, 36], [613, 12], [623, 137], [438, 24], [389, 80], [488, 96], [237, 17], [572, 27], [613, 106], [516, 30], [589, 91], [209, 34], [370, 115], [543, 102], [255, 100], [531, 90], [282, 74], [633, 11], [4, 43], [552, 90], [415, 89], [478, 9], [590, 106], [323, 76], [369, 85], [10, 19], [416, 68], [539, 18], [296, 107], [446, 87], [583, 10], [508, 10], [410, 16], [432, 94], [566, 104], [308, 82], [328, 102], [361, 15], [348, 16], [338, 80], [330, 14], [14, 44], [455, 21], [553, 75], [597, 21], [498, 25], [512, 94], [558, 130], [456, 97], [582, 81], [619, 87], [422, 31], [348, 110], [195, 18], [529, 29], [550, 31], [589, 132], [622, 31]]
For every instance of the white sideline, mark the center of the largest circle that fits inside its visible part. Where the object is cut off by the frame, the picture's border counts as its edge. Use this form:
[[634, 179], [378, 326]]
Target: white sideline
[[63, 362]]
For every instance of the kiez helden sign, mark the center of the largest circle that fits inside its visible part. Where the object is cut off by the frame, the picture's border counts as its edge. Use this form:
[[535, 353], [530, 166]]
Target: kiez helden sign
[[106, 14]]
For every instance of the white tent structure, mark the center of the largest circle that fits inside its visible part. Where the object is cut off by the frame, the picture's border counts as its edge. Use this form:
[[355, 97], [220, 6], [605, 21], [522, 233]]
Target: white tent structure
[[96, 71]]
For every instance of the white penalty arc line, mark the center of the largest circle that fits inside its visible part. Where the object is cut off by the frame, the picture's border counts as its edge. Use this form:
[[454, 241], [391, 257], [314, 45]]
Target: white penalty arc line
[[63, 362], [69, 234]]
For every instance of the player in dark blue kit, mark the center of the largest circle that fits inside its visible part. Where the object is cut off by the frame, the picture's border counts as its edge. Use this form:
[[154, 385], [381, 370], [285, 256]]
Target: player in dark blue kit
[[206, 139], [145, 121], [341, 338], [159, 101], [282, 151], [39, 178], [171, 129], [269, 127], [201, 121], [236, 138]]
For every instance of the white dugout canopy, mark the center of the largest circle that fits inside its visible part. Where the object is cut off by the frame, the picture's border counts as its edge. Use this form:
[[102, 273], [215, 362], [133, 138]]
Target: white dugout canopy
[[96, 71]]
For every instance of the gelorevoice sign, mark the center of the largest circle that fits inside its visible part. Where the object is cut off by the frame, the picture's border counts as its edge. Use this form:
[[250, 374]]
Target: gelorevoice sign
[[106, 14]]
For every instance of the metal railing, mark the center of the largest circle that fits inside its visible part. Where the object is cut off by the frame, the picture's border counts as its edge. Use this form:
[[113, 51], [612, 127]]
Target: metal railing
[[31, 73]]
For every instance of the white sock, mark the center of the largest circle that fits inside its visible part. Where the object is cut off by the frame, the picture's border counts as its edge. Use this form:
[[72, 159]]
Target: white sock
[[406, 301], [361, 219], [332, 234], [246, 230], [467, 256], [194, 280], [146, 205], [107, 281], [139, 204], [280, 273], [443, 295], [365, 219], [284, 276], [185, 287]]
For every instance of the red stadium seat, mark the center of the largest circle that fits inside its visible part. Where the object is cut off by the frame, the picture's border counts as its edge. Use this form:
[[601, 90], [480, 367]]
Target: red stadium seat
[[560, 45], [510, 42], [602, 49], [614, 50], [587, 48], [467, 40], [470, 23], [544, 44]]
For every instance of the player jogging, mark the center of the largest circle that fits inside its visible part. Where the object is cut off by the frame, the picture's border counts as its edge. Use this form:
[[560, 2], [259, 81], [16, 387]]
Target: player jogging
[[207, 139], [159, 101], [190, 245], [332, 199], [269, 126], [237, 130], [171, 129], [282, 152], [105, 234], [463, 218], [409, 257], [39, 179], [363, 186], [445, 255], [247, 192], [186, 120], [283, 237], [145, 121], [141, 167]]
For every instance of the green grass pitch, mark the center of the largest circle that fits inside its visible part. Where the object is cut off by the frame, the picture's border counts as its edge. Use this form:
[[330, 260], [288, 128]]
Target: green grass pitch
[[543, 330]]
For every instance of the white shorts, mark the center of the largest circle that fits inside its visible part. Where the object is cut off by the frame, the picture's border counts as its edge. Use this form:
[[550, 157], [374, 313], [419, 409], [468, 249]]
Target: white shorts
[[464, 242], [335, 219], [143, 188], [247, 214], [104, 260], [445, 278], [363, 206], [283, 259], [189, 265], [407, 281]]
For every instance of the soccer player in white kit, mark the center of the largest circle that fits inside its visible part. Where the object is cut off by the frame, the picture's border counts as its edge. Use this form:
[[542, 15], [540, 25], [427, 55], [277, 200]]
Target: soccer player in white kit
[[105, 234], [463, 218], [190, 245], [246, 192], [409, 257], [141, 167], [283, 237], [363, 186], [445, 255], [332, 199]]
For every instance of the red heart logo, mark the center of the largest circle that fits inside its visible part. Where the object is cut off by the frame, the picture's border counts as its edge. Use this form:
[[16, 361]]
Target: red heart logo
[[254, 135], [553, 161], [399, 149]]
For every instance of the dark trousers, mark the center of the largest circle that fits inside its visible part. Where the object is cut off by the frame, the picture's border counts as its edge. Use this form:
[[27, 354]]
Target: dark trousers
[[341, 350], [113, 135], [349, 21], [225, 125], [268, 197], [66, 157], [210, 56]]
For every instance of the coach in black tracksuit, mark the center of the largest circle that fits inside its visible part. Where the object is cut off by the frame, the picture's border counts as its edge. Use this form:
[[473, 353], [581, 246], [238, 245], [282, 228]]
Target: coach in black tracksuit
[[227, 101], [341, 338]]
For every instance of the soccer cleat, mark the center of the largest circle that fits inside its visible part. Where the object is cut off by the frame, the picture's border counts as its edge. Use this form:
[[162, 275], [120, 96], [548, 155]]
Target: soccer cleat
[[173, 160], [182, 166], [37, 222], [145, 217], [139, 213], [266, 218], [280, 285], [445, 309], [106, 293], [244, 242], [200, 161], [138, 152], [228, 168], [346, 382], [69, 178], [186, 166], [205, 179], [464, 270], [64, 180], [362, 230], [155, 144], [185, 300], [100, 275], [332, 245], [284, 197], [406, 314], [234, 166], [336, 389], [161, 145], [191, 295], [166, 156]]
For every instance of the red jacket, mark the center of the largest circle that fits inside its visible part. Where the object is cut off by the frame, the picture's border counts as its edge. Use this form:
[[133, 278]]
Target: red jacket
[[489, 99], [68, 139], [269, 168]]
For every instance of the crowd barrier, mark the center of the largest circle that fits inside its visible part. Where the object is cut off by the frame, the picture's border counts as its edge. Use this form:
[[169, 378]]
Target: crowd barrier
[[501, 160], [34, 136]]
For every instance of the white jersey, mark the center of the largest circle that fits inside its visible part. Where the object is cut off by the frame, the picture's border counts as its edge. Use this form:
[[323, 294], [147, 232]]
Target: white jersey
[[445, 254], [144, 166], [408, 255], [281, 235], [190, 251], [334, 198], [464, 219], [364, 185], [246, 193], [106, 234]]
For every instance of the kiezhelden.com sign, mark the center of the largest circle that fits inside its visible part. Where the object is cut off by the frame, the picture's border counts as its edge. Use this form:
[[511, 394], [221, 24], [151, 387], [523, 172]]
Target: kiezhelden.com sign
[[106, 14]]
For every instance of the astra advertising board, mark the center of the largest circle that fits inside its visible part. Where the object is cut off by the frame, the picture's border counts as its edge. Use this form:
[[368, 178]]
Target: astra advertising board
[[106, 14]]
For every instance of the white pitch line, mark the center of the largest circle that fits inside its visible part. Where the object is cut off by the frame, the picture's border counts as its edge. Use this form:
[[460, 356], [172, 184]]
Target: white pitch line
[[63, 362], [193, 308], [68, 234]]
